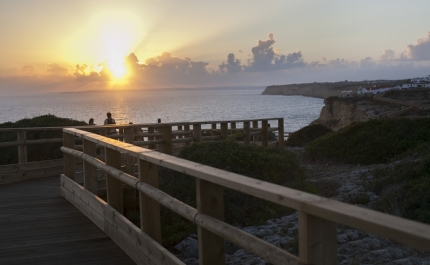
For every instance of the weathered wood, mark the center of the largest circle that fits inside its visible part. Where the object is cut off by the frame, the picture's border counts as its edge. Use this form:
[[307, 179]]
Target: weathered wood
[[246, 133], [264, 133], [113, 185], [224, 130], [317, 240], [149, 208], [22, 150], [254, 127], [281, 132], [232, 125], [197, 133], [90, 171], [167, 139], [187, 129], [210, 201], [130, 160], [213, 127], [151, 138], [69, 160]]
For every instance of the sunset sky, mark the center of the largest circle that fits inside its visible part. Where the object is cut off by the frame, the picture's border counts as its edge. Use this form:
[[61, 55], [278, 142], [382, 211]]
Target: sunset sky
[[50, 46]]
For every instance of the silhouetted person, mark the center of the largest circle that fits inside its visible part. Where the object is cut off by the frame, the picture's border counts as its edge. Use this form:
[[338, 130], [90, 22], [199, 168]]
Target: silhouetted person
[[91, 122], [110, 120]]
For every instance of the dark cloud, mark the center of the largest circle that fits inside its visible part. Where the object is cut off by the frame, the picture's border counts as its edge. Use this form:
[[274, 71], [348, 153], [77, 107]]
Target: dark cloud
[[232, 65], [56, 69], [419, 51]]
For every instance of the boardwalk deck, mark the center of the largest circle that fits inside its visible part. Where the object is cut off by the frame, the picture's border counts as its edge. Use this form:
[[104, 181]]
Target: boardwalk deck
[[38, 226]]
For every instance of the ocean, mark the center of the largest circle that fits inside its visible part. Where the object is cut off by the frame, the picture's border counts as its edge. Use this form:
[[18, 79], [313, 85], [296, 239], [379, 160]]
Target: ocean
[[170, 105]]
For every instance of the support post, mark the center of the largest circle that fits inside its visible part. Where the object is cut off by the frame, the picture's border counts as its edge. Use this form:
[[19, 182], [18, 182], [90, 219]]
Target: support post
[[224, 130], [69, 160], [129, 160], [197, 133], [210, 202], [281, 132], [90, 171], [317, 240], [254, 126], [264, 133], [150, 138], [179, 129], [113, 185], [22, 149], [246, 132], [187, 128], [213, 127], [167, 139], [149, 208]]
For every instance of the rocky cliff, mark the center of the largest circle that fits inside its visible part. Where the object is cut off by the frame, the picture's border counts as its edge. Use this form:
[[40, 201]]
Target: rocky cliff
[[340, 112]]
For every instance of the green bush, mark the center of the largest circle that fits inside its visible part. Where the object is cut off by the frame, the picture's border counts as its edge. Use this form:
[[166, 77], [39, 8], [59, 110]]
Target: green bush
[[35, 152], [403, 189], [374, 141], [273, 165], [307, 134]]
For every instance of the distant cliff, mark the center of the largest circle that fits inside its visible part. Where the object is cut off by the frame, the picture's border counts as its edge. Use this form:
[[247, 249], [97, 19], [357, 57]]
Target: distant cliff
[[317, 90]]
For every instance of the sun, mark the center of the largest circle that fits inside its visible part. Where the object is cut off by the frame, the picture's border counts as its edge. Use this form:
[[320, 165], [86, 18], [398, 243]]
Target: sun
[[117, 68]]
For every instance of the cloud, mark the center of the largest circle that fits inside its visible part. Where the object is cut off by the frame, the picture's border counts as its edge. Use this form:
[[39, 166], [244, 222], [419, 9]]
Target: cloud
[[27, 70], [57, 70], [387, 55], [419, 51], [232, 65]]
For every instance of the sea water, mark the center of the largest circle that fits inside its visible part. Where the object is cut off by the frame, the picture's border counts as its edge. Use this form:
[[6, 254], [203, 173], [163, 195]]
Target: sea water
[[169, 105]]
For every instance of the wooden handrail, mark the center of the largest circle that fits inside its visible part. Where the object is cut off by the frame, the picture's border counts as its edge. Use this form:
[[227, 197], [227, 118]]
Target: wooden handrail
[[317, 215]]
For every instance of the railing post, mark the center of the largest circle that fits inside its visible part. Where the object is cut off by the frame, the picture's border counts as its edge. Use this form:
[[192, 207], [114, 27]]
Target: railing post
[[197, 133], [129, 160], [22, 149], [150, 138], [317, 240], [281, 132], [210, 202], [179, 129], [90, 171], [246, 132], [233, 126], [167, 139], [69, 160], [187, 128], [113, 185], [254, 126], [213, 127], [149, 208], [264, 133], [224, 130]]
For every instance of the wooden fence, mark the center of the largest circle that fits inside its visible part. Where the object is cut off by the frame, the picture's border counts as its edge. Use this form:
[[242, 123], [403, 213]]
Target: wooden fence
[[159, 136], [318, 216]]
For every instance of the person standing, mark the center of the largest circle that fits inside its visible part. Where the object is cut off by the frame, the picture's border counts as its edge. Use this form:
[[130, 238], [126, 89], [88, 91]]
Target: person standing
[[108, 121], [91, 122]]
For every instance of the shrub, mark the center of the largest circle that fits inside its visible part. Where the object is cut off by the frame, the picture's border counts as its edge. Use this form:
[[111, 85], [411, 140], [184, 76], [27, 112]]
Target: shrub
[[38, 151], [374, 141], [307, 134], [274, 165]]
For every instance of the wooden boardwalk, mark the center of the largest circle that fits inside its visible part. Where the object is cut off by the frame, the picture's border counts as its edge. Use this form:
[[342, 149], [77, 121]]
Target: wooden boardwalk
[[38, 226]]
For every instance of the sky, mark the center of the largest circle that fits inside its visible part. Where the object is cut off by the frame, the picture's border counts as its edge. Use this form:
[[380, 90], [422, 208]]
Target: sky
[[49, 46]]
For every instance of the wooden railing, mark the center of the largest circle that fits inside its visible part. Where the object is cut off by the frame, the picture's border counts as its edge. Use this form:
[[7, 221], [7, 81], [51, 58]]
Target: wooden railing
[[159, 136], [318, 216]]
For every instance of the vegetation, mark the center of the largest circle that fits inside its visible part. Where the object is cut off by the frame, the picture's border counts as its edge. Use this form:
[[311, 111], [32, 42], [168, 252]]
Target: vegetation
[[274, 165], [403, 189], [307, 134], [374, 141], [38, 151]]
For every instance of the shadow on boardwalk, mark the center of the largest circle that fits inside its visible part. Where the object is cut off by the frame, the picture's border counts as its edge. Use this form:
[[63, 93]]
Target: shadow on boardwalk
[[38, 226]]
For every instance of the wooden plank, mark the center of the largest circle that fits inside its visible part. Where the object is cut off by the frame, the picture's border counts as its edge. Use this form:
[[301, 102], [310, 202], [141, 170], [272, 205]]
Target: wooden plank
[[317, 240], [264, 133], [197, 133], [113, 185], [167, 138], [149, 209], [137, 242], [69, 160], [187, 129], [22, 149], [210, 201], [281, 132], [224, 130], [90, 171], [246, 133]]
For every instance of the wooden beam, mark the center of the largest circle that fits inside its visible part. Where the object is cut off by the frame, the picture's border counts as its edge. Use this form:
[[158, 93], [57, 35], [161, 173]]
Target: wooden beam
[[130, 161], [187, 128], [246, 132], [197, 133], [281, 132], [90, 171], [224, 130], [113, 185], [210, 201], [317, 240], [149, 208], [22, 149], [264, 133], [254, 126], [69, 160], [167, 138]]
